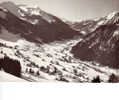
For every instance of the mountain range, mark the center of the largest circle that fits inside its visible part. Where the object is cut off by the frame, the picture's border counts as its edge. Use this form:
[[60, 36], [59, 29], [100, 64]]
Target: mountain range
[[49, 48], [33, 24]]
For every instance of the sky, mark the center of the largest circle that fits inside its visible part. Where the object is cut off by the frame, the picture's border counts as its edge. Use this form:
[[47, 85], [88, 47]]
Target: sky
[[74, 10]]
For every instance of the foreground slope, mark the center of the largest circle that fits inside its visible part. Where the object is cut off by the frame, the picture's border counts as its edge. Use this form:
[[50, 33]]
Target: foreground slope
[[5, 77], [53, 62]]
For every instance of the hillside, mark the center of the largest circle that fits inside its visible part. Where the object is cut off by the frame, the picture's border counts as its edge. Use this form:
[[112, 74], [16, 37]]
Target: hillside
[[102, 45], [33, 24], [5, 77]]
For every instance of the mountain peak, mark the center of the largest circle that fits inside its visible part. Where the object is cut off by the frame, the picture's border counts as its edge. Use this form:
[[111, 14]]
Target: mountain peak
[[113, 14], [35, 10], [113, 18]]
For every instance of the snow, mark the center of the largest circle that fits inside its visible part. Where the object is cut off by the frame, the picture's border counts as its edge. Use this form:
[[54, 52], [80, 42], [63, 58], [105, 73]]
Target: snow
[[111, 15], [5, 77], [116, 33], [36, 11], [111, 18], [31, 10], [83, 32], [35, 21], [24, 8], [5, 10], [100, 23], [54, 62]]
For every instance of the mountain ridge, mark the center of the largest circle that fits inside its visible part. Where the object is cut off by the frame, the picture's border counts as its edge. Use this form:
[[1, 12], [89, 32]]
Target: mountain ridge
[[101, 45], [43, 27]]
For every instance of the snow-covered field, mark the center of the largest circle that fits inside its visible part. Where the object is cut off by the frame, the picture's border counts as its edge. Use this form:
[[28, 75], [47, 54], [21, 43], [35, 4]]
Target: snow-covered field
[[5, 77], [53, 62]]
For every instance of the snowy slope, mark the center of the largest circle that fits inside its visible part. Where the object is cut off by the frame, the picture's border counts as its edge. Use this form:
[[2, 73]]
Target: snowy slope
[[53, 62], [5, 77], [112, 18]]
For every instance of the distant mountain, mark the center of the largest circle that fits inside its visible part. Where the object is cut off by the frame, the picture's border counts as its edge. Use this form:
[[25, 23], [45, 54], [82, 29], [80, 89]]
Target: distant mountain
[[84, 27], [33, 24], [101, 45]]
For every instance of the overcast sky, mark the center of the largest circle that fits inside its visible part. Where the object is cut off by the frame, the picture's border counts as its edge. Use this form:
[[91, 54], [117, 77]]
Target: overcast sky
[[74, 9]]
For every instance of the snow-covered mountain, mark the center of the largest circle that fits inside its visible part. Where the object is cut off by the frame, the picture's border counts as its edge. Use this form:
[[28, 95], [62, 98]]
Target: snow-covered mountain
[[101, 45], [112, 18], [33, 24], [88, 26], [84, 27], [26, 11], [42, 43]]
